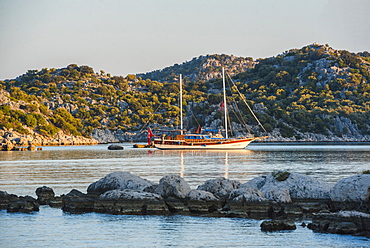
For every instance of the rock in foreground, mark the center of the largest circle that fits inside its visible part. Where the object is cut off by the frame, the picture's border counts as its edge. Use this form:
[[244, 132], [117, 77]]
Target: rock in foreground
[[343, 222], [13, 203], [276, 196], [118, 180], [300, 187], [352, 193]]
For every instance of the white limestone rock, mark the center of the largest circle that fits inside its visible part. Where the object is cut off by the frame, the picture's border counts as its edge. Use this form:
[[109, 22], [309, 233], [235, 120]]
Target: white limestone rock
[[172, 186], [128, 194], [352, 189], [300, 186], [200, 195], [280, 195], [220, 187], [104, 136], [247, 194], [119, 180]]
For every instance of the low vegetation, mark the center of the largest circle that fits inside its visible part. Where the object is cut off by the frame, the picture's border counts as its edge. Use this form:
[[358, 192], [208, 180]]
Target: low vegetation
[[315, 89]]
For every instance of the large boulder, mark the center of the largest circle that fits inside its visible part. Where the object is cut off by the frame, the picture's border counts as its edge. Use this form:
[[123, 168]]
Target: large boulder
[[352, 189], [174, 189], [220, 187], [119, 180], [173, 186], [300, 187]]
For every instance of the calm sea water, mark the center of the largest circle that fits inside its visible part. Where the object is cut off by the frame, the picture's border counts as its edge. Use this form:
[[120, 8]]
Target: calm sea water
[[67, 168]]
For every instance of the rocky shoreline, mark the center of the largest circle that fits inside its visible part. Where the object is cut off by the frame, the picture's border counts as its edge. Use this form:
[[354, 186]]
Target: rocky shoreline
[[14, 141], [281, 197], [115, 136], [11, 140]]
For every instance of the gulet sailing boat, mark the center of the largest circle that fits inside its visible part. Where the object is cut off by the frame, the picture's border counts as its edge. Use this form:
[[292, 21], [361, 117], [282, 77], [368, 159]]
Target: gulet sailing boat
[[209, 141]]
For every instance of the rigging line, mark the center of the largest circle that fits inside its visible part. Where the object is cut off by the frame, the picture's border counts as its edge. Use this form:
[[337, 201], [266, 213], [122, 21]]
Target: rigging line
[[230, 129], [238, 113], [141, 130], [243, 97], [239, 116], [195, 118]]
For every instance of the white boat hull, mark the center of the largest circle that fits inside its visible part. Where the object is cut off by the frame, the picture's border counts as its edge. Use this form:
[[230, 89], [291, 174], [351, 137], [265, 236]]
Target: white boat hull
[[235, 145]]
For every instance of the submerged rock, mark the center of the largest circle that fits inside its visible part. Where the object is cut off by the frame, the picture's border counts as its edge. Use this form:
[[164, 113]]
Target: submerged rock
[[115, 147], [343, 222], [277, 225]]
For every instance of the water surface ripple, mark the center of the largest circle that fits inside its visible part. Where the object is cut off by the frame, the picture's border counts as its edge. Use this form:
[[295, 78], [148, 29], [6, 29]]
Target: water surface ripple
[[67, 168]]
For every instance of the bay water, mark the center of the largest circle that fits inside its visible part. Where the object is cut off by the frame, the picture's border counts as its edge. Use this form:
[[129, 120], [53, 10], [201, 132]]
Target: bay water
[[76, 167]]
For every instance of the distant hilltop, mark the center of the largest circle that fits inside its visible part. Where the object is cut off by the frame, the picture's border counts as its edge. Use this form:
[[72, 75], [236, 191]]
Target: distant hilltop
[[202, 68], [314, 93]]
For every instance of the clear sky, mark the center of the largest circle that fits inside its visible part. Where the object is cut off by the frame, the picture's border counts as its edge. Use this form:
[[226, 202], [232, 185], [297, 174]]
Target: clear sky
[[133, 36]]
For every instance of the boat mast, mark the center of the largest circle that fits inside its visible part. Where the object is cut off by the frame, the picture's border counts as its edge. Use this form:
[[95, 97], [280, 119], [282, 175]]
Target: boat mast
[[181, 125], [225, 105]]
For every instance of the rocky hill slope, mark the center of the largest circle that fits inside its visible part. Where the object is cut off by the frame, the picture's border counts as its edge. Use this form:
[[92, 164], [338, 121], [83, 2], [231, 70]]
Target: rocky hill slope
[[202, 68], [315, 93]]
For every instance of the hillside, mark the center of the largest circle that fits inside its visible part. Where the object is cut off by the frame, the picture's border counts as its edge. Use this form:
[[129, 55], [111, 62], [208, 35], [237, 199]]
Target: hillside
[[308, 94], [202, 68]]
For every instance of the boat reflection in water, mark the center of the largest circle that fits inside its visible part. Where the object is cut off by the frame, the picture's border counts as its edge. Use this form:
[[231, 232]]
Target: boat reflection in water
[[192, 160]]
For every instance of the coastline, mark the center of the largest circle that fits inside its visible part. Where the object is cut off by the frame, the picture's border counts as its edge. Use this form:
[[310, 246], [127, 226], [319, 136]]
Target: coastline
[[13, 141]]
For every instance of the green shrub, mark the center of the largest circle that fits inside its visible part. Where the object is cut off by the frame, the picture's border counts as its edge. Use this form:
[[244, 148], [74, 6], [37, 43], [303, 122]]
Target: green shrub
[[48, 129], [281, 175]]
